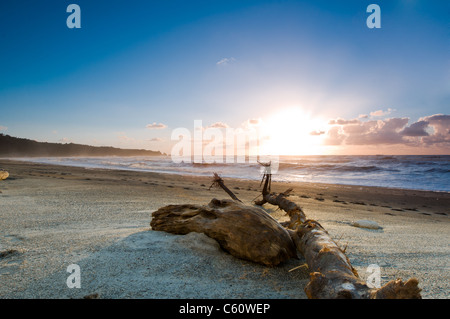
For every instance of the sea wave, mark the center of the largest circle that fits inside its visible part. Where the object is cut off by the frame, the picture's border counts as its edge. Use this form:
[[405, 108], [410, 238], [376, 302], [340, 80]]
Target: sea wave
[[438, 170], [411, 172]]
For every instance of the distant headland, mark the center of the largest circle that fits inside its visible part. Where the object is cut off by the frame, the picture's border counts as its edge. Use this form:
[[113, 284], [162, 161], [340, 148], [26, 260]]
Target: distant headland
[[20, 147]]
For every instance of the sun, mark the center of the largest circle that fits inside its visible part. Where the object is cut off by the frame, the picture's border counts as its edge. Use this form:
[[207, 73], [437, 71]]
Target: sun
[[292, 131]]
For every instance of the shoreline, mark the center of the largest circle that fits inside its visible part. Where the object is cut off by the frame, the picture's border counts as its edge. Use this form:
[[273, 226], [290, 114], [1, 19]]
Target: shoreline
[[6, 160], [54, 215]]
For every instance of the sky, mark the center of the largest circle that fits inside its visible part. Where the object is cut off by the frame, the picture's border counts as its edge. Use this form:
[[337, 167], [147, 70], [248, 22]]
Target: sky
[[310, 77]]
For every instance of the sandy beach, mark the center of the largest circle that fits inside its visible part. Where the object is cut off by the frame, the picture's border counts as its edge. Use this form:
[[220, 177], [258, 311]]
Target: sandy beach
[[55, 216]]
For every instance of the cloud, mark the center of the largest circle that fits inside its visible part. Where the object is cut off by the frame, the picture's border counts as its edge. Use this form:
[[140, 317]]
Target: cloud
[[335, 136], [340, 121], [381, 113], [429, 130], [122, 136], [354, 132], [218, 125], [3, 128], [254, 121], [317, 133], [65, 140], [416, 129], [156, 139], [377, 132], [252, 124], [156, 126], [440, 125], [225, 61]]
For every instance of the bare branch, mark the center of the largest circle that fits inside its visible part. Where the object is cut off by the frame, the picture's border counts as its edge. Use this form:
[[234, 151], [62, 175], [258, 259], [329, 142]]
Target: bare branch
[[218, 181]]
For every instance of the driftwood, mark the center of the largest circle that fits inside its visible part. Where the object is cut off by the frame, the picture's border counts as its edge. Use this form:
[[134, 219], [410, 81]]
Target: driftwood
[[332, 275], [295, 213], [218, 181], [245, 232], [252, 234]]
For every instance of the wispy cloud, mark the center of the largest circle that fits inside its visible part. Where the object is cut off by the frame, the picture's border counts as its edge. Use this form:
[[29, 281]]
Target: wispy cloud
[[380, 113], [225, 61], [3, 128], [122, 136], [156, 126], [340, 121], [156, 139], [254, 121]]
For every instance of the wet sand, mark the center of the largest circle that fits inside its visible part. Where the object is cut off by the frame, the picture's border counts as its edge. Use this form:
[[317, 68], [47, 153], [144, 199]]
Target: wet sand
[[55, 216]]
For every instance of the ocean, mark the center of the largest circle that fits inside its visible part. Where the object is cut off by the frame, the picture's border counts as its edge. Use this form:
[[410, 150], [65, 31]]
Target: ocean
[[419, 172]]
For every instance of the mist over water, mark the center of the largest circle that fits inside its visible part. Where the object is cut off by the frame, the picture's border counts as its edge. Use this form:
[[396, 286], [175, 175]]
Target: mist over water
[[421, 172]]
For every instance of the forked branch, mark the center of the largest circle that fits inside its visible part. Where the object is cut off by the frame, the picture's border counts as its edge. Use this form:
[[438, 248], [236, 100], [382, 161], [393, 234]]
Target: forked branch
[[218, 181]]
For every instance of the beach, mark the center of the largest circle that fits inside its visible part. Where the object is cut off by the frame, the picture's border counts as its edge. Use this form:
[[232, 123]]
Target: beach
[[53, 216]]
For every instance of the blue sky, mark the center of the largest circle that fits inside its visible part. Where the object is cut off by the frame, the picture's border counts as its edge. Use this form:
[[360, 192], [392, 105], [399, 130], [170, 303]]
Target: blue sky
[[135, 63]]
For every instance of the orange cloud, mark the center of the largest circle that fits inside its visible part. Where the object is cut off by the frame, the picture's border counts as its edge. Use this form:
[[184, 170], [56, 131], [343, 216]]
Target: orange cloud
[[156, 126]]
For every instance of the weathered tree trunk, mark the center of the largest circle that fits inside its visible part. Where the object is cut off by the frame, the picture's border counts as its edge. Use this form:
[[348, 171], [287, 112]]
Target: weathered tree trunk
[[332, 275], [245, 232]]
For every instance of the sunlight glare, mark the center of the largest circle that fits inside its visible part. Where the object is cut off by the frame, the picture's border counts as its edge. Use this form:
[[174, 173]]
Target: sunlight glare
[[289, 132]]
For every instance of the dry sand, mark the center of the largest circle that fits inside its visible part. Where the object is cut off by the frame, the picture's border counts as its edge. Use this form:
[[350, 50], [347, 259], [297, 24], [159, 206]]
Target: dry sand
[[55, 216]]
